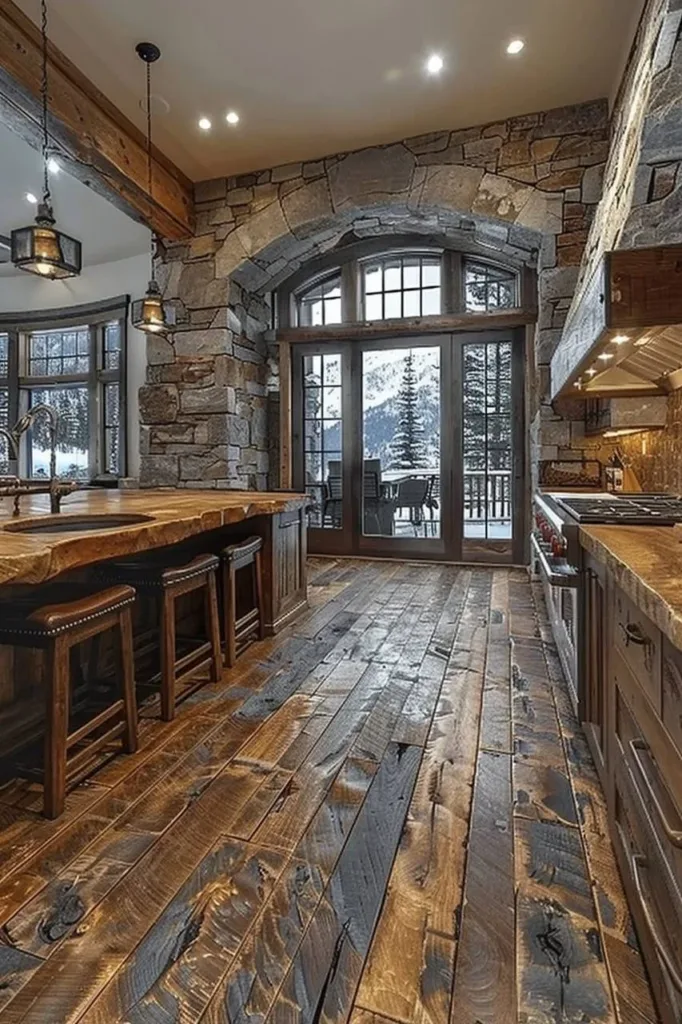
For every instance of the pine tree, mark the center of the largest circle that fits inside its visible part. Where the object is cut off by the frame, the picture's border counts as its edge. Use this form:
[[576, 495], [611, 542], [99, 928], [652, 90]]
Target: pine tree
[[408, 449]]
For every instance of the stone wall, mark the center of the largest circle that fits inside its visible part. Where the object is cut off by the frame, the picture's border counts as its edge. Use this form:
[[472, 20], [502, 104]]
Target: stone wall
[[642, 197], [523, 190]]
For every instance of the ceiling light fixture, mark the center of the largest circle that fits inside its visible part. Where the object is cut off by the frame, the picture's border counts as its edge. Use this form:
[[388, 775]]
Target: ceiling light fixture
[[232, 117], [30, 198], [435, 64], [151, 314], [515, 46], [591, 372], [205, 124], [605, 356], [620, 339], [40, 248]]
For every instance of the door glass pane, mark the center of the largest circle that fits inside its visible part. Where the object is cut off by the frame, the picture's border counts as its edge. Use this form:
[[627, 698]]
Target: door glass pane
[[488, 445], [5, 454], [73, 437], [323, 440], [401, 442]]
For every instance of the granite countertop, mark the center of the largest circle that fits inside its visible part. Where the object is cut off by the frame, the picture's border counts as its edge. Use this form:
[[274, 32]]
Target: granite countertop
[[175, 515], [646, 562]]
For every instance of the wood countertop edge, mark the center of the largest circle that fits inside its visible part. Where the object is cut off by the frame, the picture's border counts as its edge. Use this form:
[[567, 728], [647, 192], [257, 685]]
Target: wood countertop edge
[[656, 589], [26, 559]]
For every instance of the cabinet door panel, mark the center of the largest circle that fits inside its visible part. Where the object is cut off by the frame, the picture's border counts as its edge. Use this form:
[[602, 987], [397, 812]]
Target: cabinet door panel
[[671, 685], [639, 642]]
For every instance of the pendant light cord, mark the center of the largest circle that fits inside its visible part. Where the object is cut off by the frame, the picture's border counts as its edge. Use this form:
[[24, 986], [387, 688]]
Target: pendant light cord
[[44, 97], [150, 186]]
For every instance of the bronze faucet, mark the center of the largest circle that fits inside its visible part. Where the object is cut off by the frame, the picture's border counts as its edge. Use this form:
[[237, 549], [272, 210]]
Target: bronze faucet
[[12, 486]]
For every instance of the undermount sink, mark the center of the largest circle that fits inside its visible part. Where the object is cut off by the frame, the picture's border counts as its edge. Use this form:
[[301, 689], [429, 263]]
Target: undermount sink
[[78, 524]]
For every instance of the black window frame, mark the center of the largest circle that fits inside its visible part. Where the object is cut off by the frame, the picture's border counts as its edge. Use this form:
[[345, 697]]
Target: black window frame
[[348, 262], [20, 382]]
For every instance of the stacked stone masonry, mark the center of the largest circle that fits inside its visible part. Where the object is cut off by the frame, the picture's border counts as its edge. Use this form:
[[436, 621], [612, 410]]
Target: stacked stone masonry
[[524, 190]]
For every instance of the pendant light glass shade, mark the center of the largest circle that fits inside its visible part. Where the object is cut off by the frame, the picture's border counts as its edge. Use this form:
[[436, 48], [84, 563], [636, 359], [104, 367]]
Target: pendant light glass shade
[[151, 314], [43, 250], [40, 248]]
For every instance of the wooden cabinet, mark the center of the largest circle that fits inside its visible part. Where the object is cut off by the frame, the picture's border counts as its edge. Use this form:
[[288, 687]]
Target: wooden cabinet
[[284, 568], [642, 775]]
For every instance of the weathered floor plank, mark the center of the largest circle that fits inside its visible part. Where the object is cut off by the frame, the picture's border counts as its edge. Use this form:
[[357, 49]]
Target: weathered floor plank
[[385, 815]]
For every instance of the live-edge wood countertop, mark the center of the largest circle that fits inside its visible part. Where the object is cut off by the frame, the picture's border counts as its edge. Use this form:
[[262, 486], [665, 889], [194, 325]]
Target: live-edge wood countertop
[[176, 516], [646, 562]]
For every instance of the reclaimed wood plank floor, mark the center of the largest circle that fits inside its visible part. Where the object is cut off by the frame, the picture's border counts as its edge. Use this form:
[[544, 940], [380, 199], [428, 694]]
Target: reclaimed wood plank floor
[[385, 815]]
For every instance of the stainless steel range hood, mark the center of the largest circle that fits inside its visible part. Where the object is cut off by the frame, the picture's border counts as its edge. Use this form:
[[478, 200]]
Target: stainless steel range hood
[[624, 338]]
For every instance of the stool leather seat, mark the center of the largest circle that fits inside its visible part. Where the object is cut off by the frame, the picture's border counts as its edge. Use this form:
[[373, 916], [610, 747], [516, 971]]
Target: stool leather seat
[[45, 617]]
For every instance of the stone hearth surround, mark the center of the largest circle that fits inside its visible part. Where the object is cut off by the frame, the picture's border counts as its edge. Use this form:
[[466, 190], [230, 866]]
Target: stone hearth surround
[[526, 189]]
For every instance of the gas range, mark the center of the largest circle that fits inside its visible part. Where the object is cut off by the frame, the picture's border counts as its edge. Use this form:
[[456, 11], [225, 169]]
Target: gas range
[[558, 557], [558, 517]]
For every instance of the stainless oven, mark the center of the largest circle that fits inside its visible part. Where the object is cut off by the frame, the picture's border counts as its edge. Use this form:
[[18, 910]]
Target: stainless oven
[[561, 586]]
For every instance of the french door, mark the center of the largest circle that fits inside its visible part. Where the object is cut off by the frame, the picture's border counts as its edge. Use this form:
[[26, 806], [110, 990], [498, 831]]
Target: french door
[[413, 447]]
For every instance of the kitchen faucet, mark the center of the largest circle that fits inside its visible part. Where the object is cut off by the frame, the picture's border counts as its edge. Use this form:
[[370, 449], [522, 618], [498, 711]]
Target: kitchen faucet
[[13, 486]]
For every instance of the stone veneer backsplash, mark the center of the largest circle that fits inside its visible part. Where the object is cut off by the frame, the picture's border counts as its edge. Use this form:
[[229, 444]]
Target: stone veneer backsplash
[[656, 455]]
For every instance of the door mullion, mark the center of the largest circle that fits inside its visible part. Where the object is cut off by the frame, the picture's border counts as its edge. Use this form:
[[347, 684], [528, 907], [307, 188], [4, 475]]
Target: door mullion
[[352, 439]]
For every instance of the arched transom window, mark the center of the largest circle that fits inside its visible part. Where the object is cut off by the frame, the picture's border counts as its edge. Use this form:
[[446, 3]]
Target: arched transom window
[[397, 284]]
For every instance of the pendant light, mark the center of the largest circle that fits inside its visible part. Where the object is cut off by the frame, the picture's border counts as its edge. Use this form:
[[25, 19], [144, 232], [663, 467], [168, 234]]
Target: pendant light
[[40, 248], [151, 314]]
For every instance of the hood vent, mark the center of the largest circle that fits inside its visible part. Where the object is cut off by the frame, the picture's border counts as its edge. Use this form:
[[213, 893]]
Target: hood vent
[[624, 337]]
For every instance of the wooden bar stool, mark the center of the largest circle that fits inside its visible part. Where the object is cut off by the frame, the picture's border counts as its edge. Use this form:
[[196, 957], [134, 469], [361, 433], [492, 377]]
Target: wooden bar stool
[[58, 628], [166, 583], [242, 630]]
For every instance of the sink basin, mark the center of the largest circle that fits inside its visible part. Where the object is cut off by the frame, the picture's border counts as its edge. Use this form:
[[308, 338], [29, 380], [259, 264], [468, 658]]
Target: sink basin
[[77, 524]]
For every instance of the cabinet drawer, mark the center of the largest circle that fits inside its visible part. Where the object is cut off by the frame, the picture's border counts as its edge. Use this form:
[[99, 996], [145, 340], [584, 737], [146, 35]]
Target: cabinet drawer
[[653, 896], [658, 797], [671, 696], [639, 642]]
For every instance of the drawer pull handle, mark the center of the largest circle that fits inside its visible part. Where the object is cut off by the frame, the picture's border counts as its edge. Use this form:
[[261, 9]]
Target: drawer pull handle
[[639, 861], [634, 635], [638, 747]]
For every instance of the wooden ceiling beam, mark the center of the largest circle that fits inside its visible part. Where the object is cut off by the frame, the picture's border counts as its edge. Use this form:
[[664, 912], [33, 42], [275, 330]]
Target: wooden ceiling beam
[[96, 141]]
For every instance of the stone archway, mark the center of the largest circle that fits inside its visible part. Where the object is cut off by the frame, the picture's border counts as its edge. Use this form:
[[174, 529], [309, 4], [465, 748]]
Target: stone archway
[[523, 189]]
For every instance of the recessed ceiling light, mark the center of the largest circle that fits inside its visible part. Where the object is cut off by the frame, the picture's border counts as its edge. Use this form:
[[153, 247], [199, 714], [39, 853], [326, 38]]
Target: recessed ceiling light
[[620, 339], [435, 64], [605, 356], [52, 166], [591, 372], [204, 124], [30, 198], [515, 46], [232, 117]]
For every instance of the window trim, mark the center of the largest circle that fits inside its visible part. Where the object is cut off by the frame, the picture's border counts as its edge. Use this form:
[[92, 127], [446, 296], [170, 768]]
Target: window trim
[[347, 260], [18, 326]]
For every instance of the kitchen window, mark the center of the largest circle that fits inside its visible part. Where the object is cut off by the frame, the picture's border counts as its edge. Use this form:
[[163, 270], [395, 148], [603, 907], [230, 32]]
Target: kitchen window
[[73, 360], [370, 283]]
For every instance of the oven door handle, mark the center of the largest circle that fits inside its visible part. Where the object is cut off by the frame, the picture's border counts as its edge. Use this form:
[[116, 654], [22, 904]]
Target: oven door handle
[[555, 579]]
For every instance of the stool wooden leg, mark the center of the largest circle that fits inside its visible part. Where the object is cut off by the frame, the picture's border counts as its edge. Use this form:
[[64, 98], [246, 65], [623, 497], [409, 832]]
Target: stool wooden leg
[[57, 724], [230, 616], [213, 627], [125, 623], [259, 595], [168, 658]]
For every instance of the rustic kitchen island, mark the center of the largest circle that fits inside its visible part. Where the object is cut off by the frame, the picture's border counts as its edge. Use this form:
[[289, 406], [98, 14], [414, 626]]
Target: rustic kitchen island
[[31, 554]]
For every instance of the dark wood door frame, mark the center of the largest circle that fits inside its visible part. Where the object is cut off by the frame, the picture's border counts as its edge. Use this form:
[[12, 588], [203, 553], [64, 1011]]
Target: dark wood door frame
[[350, 539]]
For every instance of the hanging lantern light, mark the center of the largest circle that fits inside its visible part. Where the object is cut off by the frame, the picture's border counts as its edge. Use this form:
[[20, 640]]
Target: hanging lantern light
[[40, 248], [151, 314]]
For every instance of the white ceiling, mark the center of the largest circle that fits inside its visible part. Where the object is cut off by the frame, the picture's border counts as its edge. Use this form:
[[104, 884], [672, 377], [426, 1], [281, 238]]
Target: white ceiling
[[313, 77], [106, 233]]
